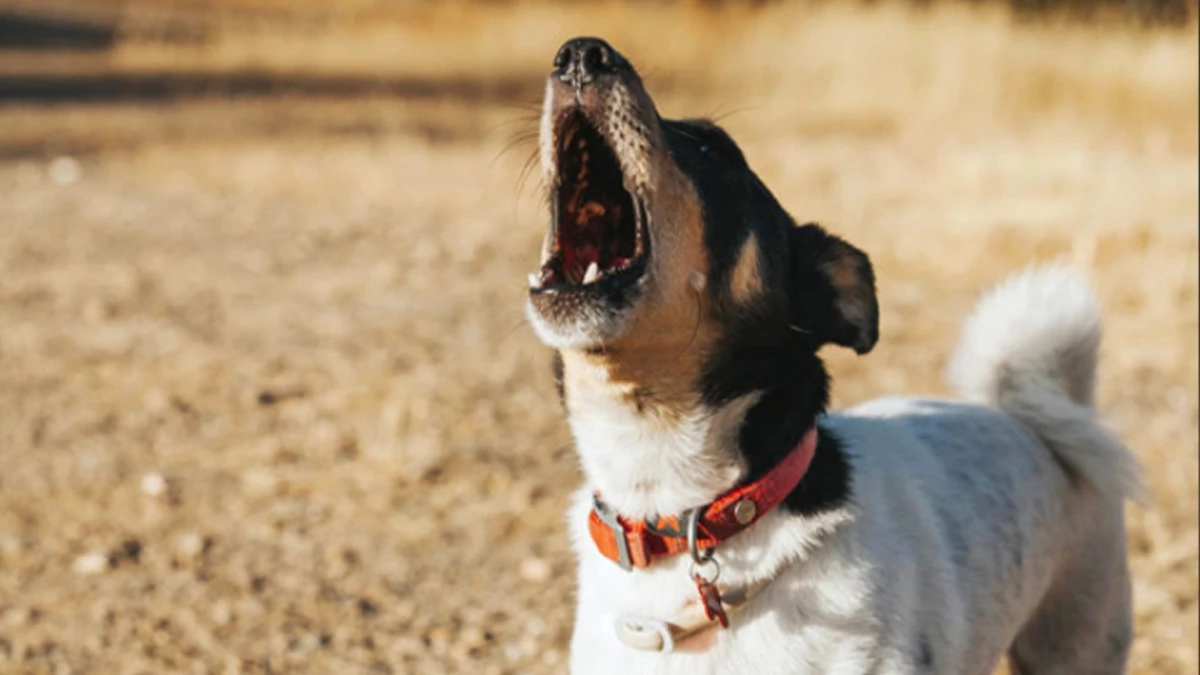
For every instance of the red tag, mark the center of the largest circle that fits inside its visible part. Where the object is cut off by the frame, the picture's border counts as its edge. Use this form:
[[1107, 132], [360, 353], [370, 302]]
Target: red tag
[[711, 597]]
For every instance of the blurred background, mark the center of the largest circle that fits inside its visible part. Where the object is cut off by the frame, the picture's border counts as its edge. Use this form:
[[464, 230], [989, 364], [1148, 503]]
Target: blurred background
[[267, 399]]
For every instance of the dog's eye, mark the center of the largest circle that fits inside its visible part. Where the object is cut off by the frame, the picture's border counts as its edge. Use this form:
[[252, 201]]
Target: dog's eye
[[712, 154]]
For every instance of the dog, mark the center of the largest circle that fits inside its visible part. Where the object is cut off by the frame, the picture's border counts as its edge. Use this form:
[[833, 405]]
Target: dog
[[731, 524]]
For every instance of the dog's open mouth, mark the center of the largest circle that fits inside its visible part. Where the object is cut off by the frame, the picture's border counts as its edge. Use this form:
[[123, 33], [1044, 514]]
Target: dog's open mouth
[[598, 231]]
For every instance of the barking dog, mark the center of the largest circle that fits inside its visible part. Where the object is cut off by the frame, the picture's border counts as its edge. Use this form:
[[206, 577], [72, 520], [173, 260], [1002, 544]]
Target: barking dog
[[729, 524]]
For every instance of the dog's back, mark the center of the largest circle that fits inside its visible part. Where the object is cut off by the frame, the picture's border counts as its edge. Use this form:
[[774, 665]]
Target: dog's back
[[1015, 497]]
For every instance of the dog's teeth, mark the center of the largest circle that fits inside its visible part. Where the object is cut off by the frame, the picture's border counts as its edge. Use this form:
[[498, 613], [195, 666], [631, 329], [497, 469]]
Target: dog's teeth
[[535, 280], [592, 274]]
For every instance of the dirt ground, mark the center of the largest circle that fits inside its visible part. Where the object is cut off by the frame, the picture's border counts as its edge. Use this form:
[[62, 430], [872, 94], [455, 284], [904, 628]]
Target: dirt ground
[[268, 402]]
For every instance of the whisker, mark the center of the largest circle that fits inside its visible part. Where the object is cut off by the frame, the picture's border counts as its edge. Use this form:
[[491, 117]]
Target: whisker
[[533, 107], [717, 116], [516, 140], [525, 121], [523, 322], [689, 135], [526, 170]]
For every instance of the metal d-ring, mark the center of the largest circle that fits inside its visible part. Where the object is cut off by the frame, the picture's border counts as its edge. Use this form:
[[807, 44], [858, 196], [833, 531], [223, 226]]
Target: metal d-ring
[[700, 559]]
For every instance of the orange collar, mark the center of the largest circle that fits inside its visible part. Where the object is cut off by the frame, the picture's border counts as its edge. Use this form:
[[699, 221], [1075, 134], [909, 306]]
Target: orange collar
[[640, 543]]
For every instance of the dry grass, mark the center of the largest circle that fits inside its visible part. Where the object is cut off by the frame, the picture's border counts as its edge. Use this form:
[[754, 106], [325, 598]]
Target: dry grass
[[305, 316]]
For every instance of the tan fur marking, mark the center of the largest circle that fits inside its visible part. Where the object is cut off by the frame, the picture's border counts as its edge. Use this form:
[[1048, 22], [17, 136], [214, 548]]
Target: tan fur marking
[[746, 280], [655, 366]]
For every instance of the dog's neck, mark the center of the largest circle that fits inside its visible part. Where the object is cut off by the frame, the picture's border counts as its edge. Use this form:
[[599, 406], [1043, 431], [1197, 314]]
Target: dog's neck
[[657, 436], [649, 445], [648, 441]]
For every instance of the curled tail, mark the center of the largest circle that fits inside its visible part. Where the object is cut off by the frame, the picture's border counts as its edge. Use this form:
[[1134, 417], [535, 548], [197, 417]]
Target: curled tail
[[1030, 349]]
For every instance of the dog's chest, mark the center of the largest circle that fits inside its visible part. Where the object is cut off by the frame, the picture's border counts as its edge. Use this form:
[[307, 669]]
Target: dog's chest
[[811, 612]]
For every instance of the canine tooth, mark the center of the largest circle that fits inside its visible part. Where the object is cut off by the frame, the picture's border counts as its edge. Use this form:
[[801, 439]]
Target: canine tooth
[[535, 280], [592, 274]]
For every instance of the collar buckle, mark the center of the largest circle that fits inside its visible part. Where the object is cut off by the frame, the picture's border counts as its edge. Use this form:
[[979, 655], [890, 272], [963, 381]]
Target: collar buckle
[[609, 518]]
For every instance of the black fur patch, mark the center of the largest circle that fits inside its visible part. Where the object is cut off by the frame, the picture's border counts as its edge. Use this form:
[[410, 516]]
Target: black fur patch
[[794, 388]]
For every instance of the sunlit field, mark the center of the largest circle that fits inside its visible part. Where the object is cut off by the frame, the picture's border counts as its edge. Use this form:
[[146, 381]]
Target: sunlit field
[[268, 402]]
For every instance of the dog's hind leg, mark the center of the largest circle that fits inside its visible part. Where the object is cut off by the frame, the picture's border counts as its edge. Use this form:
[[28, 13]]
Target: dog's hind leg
[[1084, 625]]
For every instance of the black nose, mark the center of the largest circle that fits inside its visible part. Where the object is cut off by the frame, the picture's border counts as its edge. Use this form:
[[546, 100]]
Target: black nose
[[581, 59]]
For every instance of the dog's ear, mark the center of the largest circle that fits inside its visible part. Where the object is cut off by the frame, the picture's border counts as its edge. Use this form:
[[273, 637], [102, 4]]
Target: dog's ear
[[831, 289]]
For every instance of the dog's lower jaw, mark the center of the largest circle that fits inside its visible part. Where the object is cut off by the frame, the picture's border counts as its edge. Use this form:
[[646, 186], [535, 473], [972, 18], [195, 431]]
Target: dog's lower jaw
[[590, 330]]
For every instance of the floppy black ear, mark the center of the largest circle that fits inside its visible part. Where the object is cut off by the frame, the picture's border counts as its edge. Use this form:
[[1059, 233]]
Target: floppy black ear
[[832, 289]]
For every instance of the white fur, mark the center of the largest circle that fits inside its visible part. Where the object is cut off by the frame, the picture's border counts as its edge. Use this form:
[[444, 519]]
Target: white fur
[[587, 326], [1032, 338], [968, 533]]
